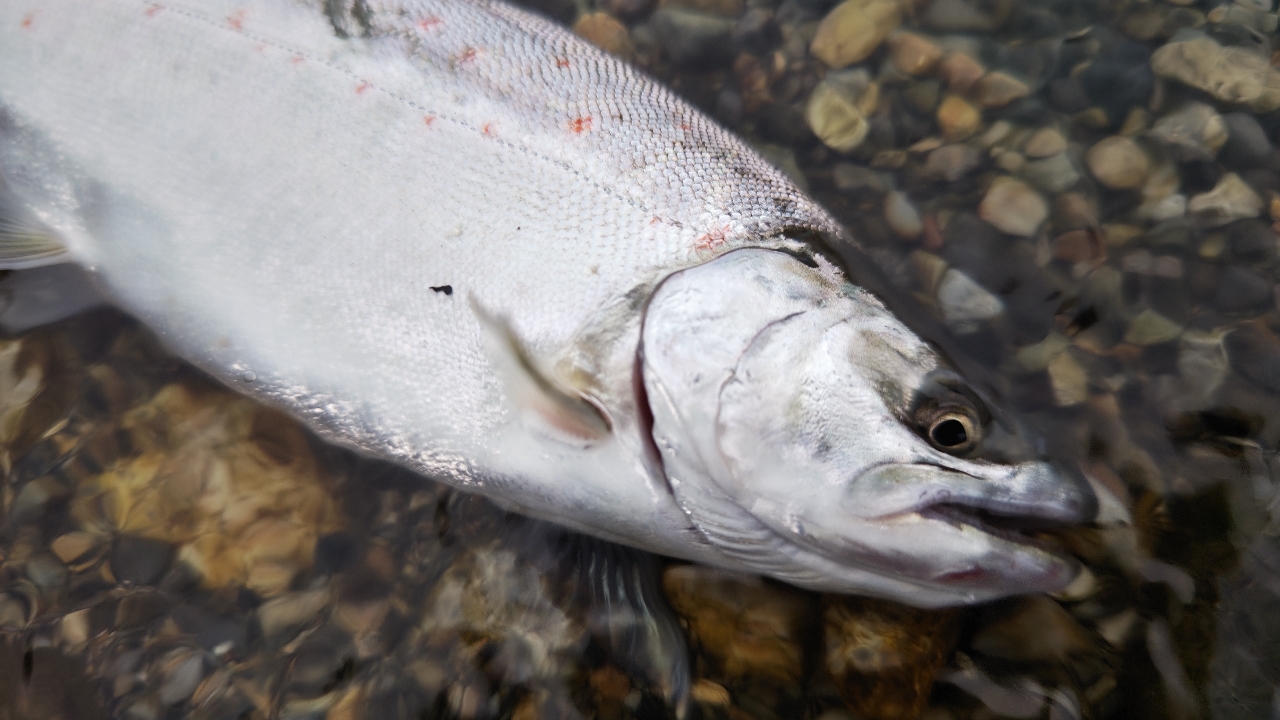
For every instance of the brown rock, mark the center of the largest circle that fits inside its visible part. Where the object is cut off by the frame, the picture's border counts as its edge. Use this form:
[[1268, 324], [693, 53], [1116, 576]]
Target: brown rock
[[1230, 74], [1032, 629], [883, 656], [957, 119], [1231, 199], [1118, 163], [835, 118], [606, 33], [913, 54], [1073, 211], [1046, 142], [732, 8], [753, 81], [1013, 207], [997, 89], [960, 71], [1079, 246], [853, 30]]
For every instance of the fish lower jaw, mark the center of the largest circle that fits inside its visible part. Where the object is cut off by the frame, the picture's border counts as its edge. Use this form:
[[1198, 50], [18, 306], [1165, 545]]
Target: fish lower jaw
[[1011, 529]]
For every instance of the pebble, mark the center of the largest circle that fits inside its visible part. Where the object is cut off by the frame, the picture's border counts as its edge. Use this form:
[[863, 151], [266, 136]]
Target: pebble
[[1247, 143], [1231, 199], [1253, 241], [856, 178], [1073, 211], [1230, 74], [965, 304], [1068, 379], [1013, 207], [1254, 352], [965, 15], [140, 560], [1240, 288], [997, 89], [853, 30], [1052, 174], [606, 33], [1202, 367], [835, 118], [952, 162], [1151, 328], [913, 54], [182, 670], [1118, 163], [1193, 132], [1078, 246], [902, 215], [693, 39], [1044, 143], [957, 119], [1167, 208], [1031, 629], [960, 71], [715, 7]]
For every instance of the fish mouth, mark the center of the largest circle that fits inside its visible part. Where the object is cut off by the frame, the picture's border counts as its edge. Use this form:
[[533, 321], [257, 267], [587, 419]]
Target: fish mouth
[[1017, 529]]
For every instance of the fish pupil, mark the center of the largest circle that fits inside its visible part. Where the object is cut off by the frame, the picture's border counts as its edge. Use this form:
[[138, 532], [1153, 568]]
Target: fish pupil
[[949, 433]]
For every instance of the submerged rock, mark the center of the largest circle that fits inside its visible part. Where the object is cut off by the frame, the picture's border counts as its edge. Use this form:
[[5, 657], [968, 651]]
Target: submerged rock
[[1230, 74], [1013, 207], [853, 30]]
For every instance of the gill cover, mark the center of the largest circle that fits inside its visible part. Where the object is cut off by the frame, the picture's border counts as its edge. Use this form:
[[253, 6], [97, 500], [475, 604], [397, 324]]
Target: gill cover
[[786, 408]]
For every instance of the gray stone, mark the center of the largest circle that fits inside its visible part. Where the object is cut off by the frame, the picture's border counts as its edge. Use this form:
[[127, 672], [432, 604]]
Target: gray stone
[[1192, 132], [1231, 199], [1240, 289], [1052, 174], [856, 178], [902, 215], [692, 38], [1247, 143], [965, 304], [1230, 74], [952, 162]]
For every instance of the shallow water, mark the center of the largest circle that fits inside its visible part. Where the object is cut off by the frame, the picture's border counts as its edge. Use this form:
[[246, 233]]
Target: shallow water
[[1074, 199]]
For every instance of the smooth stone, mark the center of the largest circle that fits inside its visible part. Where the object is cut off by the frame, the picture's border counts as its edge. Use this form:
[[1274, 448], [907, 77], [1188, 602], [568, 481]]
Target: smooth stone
[[1052, 174], [603, 31], [1230, 74], [965, 304], [1193, 132], [140, 560], [1151, 328], [902, 216], [714, 7], [1073, 211], [1254, 352], [1231, 199], [1119, 78], [1010, 161], [1044, 143], [1253, 241], [1118, 163], [952, 162], [182, 670], [966, 15], [1169, 207], [855, 178], [960, 71], [997, 89], [1034, 358], [1202, 367], [693, 39], [627, 8], [835, 118], [1013, 207], [757, 31], [1240, 289], [853, 30], [1078, 246], [957, 119], [1068, 380], [913, 54], [1032, 629], [1247, 143]]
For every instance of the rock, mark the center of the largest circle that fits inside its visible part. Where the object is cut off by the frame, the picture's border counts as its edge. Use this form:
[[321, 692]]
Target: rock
[[1045, 142], [835, 118], [1052, 174], [957, 119], [606, 33], [1167, 208], [140, 560], [923, 95], [715, 7], [1078, 246], [883, 656], [1253, 241], [1036, 357], [1118, 163], [1010, 161], [997, 89], [1230, 74], [960, 71], [966, 15], [693, 39], [965, 304], [1073, 211], [1247, 143], [1118, 79], [913, 54], [1239, 289], [748, 628], [1192, 132], [902, 216], [182, 669], [627, 8], [1031, 629], [1231, 199], [853, 30], [1152, 328], [855, 178], [1202, 366], [281, 617], [1013, 207], [757, 31], [1068, 379], [1254, 352], [951, 162]]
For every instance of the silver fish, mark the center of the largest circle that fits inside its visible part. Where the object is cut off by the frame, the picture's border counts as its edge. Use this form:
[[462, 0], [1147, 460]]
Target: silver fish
[[451, 234]]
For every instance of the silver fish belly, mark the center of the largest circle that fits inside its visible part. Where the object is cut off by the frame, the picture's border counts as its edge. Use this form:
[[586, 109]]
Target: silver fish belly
[[451, 234]]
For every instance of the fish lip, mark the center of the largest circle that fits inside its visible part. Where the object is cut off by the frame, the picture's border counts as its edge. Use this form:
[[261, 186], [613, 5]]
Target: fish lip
[[956, 514]]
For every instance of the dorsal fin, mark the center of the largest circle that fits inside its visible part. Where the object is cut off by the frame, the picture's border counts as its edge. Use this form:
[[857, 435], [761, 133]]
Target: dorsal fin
[[564, 411], [25, 242]]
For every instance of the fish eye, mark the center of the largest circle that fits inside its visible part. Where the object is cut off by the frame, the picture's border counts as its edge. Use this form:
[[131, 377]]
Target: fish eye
[[953, 432]]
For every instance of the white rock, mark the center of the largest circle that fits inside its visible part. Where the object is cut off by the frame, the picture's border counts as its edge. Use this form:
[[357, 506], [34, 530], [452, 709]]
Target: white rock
[[966, 304]]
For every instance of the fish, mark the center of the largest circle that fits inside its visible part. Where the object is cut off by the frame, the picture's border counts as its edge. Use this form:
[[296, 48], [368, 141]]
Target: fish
[[453, 235]]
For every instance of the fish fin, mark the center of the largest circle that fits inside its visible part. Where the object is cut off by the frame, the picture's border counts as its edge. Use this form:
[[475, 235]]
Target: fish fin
[[620, 591], [25, 242], [566, 413], [42, 295]]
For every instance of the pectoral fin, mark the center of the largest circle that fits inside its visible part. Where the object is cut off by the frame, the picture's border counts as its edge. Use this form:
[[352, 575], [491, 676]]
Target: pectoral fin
[[25, 242], [562, 410]]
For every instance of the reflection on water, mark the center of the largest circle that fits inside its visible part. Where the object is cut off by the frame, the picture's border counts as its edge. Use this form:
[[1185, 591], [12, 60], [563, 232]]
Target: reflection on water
[[1081, 192]]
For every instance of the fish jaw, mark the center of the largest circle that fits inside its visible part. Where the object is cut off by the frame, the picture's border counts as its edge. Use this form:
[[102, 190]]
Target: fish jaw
[[800, 463]]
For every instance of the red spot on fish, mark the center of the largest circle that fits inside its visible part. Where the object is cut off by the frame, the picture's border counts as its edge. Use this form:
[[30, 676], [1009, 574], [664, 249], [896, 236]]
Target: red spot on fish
[[236, 19], [562, 62], [428, 119], [260, 47], [154, 10], [580, 124], [361, 88], [488, 129], [27, 20], [429, 22], [655, 220], [296, 59], [712, 240], [684, 126], [467, 55]]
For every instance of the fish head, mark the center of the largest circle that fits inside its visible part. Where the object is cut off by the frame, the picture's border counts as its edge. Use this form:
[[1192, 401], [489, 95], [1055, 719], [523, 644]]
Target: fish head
[[829, 446]]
